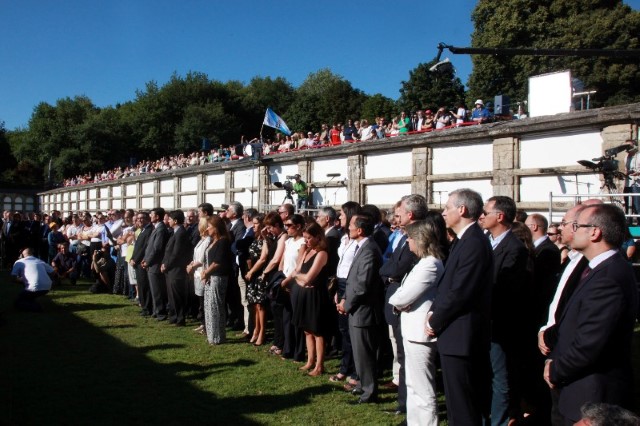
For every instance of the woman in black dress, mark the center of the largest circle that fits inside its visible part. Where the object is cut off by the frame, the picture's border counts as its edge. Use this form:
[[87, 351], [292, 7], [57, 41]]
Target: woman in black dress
[[313, 303]]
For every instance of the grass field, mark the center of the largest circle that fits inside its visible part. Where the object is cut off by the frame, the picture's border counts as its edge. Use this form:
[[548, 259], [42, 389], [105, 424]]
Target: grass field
[[91, 359]]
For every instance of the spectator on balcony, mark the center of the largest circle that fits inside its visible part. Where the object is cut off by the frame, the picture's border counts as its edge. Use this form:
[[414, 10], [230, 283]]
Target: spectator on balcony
[[429, 120], [366, 132], [324, 134], [404, 123], [418, 121], [480, 114], [461, 114], [392, 128], [379, 128], [350, 132], [334, 135], [442, 118]]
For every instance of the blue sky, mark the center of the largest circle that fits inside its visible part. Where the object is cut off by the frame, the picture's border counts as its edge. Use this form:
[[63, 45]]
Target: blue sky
[[107, 50]]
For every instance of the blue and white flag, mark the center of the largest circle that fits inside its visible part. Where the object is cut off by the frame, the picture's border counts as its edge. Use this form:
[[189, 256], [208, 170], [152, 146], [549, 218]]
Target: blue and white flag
[[272, 119]]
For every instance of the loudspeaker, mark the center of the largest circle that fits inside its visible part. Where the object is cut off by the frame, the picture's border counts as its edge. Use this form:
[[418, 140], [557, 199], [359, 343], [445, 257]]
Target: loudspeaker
[[501, 105]]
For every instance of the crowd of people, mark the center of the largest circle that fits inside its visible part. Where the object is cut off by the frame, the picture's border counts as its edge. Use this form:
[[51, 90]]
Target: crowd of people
[[337, 134], [522, 333]]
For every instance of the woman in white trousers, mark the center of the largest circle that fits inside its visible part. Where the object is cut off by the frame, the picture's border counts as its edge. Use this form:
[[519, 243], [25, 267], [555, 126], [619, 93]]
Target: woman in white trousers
[[427, 239]]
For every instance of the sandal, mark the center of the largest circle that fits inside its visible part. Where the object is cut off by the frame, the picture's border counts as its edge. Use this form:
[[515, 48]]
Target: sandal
[[337, 377]]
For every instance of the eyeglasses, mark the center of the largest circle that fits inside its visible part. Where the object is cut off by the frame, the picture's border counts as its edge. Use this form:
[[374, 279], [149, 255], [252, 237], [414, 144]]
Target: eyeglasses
[[576, 225], [488, 213], [567, 223], [551, 234]]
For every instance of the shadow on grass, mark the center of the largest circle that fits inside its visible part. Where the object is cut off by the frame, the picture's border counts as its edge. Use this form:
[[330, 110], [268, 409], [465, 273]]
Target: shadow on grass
[[56, 368]]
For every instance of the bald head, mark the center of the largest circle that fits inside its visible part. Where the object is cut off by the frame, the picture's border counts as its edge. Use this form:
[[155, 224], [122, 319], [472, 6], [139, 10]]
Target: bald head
[[591, 202]]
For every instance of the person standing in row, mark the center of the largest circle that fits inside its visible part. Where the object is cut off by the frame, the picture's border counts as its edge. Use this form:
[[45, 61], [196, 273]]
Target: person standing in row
[[174, 264], [363, 303], [460, 314], [153, 255], [215, 277]]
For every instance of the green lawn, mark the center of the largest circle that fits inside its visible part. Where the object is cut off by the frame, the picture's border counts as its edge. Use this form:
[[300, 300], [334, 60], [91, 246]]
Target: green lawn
[[90, 359]]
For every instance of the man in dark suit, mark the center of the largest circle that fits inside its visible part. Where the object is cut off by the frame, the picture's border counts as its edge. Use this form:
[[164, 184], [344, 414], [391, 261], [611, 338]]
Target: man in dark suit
[[546, 268], [237, 229], [460, 315], [571, 274], [153, 259], [326, 219], [381, 231], [412, 208], [139, 248], [363, 303], [177, 255], [592, 358], [546, 265], [242, 248], [509, 295]]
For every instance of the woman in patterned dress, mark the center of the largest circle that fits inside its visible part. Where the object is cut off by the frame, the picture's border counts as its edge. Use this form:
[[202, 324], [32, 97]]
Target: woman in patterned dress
[[215, 277], [256, 290]]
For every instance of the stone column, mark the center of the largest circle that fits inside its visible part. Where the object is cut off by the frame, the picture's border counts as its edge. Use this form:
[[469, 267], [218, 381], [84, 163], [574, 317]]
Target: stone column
[[505, 157], [422, 163], [355, 191]]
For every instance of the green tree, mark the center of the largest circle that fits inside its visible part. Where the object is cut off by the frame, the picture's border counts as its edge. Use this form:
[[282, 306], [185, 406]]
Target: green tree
[[430, 89], [555, 24], [53, 129], [379, 106], [323, 97]]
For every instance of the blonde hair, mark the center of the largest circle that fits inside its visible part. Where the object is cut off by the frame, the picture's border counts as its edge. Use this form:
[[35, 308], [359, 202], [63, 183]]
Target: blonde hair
[[202, 226]]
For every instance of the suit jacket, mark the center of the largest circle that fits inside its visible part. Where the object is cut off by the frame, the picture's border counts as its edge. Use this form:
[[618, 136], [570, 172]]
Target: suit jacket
[[462, 307], [415, 297], [363, 295], [236, 232], [381, 237], [242, 247], [333, 243], [398, 265], [546, 267], [509, 295], [592, 358], [141, 244], [155, 247], [194, 234], [550, 334], [177, 254]]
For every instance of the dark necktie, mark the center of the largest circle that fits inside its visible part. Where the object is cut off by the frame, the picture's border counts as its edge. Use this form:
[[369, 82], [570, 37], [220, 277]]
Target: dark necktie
[[585, 273]]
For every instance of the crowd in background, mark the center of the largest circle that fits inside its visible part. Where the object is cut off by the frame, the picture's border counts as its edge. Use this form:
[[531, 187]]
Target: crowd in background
[[336, 134], [521, 332]]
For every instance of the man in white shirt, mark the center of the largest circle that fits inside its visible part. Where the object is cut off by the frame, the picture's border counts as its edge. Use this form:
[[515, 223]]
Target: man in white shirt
[[34, 273]]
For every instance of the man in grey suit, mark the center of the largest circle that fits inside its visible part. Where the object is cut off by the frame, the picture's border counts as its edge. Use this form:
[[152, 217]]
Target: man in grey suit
[[153, 259], [363, 302]]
